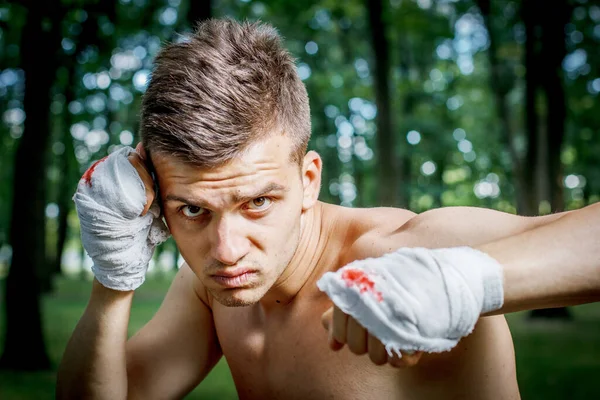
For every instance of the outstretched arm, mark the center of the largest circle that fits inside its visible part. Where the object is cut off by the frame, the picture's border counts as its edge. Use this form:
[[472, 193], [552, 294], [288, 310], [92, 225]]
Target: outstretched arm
[[547, 261], [556, 264], [429, 297]]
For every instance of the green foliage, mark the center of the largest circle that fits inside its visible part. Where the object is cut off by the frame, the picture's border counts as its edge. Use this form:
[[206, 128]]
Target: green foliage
[[440, 77]]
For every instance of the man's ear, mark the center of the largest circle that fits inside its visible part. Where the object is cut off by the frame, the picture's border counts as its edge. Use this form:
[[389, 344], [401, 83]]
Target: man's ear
[[311, 179], [141, 151]]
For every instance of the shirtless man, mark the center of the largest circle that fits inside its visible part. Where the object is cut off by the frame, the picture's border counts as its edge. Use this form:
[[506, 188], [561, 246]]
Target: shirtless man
[[225, 125]]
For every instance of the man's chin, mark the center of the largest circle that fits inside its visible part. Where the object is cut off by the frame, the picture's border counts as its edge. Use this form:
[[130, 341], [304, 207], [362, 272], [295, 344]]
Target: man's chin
[[237, 297]]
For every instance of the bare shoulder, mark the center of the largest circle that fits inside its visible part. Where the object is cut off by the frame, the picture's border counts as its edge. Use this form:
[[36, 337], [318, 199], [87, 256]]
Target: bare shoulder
[[486, 357], [368, 229], [382, 230], [469, 226]]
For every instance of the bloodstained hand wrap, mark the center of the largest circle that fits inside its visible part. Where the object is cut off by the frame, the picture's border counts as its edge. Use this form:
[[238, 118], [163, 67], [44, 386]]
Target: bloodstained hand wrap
[[418, 299], [110, 198]]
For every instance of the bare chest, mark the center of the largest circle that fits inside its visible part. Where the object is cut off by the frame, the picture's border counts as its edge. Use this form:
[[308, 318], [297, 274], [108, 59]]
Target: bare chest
[[286, 356]]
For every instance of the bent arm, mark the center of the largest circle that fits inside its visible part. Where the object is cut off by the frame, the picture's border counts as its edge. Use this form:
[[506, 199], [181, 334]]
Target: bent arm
[[93, 365], [171, 355], [166, 359], [553, 265]]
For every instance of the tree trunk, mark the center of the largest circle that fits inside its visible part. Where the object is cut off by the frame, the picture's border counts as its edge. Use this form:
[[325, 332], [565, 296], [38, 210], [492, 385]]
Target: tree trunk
[[24, 348], [530, 12], [68, 163], [356, 164], [501, 82], [409, 101], [64, 204], [552, 52], [68, 183], [198, 11], [389, 170]]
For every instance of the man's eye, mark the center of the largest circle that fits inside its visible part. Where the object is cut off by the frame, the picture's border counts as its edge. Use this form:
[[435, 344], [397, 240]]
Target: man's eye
[[260, 203], [193, 211]]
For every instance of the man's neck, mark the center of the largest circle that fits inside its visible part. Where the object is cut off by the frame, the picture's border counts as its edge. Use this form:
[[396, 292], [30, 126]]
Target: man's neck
[[303, 262]]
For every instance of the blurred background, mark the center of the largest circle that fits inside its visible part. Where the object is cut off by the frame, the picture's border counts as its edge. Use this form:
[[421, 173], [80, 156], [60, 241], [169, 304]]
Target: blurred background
[[415, 103]]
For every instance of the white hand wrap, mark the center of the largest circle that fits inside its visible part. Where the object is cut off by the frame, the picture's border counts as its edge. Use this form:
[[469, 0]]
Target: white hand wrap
[[109, 200], [418, 299]]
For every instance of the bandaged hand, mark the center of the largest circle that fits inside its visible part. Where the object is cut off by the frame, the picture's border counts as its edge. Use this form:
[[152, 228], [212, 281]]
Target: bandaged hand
[[411, 301], [120, 225]]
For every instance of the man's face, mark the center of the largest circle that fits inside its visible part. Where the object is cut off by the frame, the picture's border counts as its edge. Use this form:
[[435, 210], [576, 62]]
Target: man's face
[[237, 226]]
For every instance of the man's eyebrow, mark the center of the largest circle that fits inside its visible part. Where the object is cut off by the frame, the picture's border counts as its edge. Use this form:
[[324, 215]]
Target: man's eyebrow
[[191, 202], [237, 198], [271, 187]]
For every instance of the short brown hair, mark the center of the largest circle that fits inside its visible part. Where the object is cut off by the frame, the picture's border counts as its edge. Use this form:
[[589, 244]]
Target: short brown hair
[[229, 85]]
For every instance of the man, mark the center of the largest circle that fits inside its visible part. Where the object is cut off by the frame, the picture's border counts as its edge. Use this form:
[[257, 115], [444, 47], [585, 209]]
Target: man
[[225, 126]]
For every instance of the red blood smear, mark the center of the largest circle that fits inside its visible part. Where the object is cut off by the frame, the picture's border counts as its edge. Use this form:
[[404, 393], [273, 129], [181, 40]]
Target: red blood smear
[[87, 177], [356, 277]]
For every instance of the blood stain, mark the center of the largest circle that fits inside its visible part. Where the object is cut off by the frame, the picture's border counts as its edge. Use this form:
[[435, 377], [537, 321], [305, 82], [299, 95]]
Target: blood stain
[[87, 176], [356, 277]]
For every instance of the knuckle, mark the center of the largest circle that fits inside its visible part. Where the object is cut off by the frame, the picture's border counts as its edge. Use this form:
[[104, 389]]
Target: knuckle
[[337, 335], [397, 362], [377, 359], [407, 360], [413, 359], [410, 362], [353, 348], [356, 348]]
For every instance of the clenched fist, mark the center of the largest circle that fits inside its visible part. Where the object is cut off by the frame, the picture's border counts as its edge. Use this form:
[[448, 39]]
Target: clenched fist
[[120, 224], [343, 329], [409, 301]]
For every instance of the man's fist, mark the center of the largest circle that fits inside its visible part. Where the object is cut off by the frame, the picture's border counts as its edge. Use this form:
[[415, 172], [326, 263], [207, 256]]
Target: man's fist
[[413, 299], [345, 330], [120, 224]]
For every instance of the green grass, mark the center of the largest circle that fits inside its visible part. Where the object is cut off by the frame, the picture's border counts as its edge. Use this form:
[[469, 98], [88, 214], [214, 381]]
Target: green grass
[[558, 360], [62, 310], [555, 360]]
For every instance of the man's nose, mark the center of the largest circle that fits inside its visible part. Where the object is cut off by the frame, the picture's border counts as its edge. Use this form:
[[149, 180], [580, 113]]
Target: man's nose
[[229, 245]]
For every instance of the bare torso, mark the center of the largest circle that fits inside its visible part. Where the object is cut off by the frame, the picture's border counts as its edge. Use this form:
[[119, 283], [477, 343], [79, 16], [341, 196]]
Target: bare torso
[[282, 352]]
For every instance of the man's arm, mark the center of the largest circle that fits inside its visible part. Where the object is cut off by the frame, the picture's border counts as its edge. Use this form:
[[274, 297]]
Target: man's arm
[[387, 229], [466, 226], [556, 264], [548, 261], [166, 359], [449, 227], [93, 365]]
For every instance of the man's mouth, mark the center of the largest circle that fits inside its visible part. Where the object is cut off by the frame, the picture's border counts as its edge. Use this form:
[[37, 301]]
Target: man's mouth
[[235, 277]]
